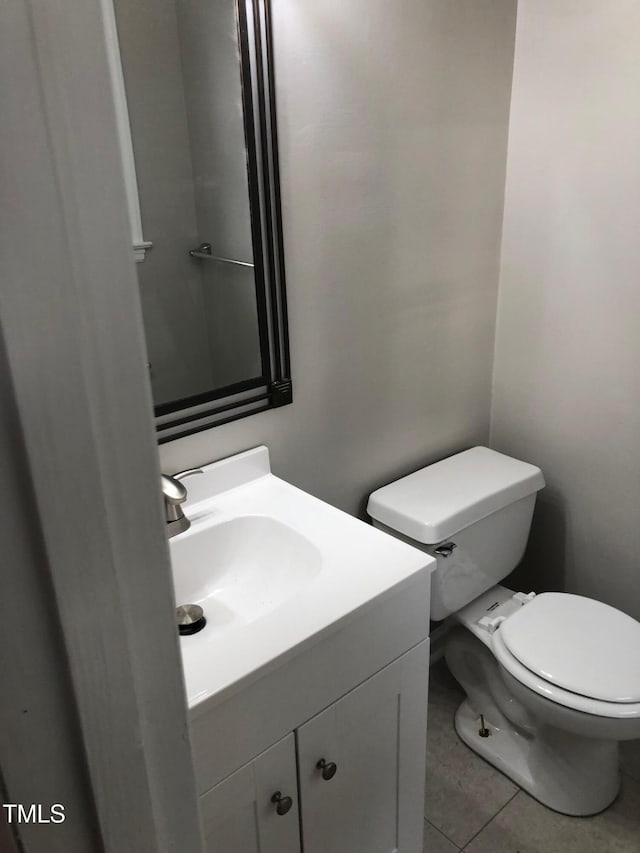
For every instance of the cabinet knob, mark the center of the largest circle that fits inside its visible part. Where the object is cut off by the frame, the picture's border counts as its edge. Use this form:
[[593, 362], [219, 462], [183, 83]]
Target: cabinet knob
[[329, 769], [283, 804]]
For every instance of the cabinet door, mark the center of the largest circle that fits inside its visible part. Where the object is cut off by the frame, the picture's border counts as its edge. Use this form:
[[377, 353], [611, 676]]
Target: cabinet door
[[239, 816], [376, 737]]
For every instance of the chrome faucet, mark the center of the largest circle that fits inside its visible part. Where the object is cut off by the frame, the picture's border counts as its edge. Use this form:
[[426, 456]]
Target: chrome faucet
[[174, 494]]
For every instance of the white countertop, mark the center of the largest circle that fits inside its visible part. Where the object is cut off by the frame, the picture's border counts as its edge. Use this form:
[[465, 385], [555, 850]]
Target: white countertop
[[360, 565]]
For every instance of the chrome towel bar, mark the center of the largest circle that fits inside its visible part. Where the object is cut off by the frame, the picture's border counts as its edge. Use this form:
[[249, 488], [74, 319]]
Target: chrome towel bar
[[204, 253]]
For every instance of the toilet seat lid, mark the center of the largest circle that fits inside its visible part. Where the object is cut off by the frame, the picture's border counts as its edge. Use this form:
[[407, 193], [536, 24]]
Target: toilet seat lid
[[578, 644]]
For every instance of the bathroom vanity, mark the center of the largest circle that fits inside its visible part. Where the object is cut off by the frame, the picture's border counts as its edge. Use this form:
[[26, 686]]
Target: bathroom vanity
[[307, 688]]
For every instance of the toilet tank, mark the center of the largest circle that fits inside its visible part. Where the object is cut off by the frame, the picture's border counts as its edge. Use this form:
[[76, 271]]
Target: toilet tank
[[472, 512]]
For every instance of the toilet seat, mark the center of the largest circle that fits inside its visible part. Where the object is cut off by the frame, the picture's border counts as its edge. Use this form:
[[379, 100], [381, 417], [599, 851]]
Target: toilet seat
[[574, 651], [578, 644]]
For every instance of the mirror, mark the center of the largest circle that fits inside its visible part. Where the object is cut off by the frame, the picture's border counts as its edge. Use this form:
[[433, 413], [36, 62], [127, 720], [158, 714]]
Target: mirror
[[193, 81]]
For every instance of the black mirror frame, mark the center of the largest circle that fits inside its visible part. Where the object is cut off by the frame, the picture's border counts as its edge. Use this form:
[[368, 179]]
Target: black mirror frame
[[273, 387]]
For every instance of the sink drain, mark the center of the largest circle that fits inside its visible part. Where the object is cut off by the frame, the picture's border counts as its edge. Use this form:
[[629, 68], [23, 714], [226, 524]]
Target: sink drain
[[190, 618]]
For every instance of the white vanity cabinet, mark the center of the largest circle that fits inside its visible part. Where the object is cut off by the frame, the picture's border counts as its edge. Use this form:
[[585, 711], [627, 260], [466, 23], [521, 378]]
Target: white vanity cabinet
[[334, 669], [255, 810], [355, 772], [375, 736]]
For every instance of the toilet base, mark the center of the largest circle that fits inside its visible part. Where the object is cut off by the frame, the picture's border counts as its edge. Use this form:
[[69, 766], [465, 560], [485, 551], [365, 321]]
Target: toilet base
[[570, 775]]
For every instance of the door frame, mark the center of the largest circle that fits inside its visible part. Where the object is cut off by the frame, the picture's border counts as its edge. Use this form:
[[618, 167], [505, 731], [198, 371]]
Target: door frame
[[81, 505]]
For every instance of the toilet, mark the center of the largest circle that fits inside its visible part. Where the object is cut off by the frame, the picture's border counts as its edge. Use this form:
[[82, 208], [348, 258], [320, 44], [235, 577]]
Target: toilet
[[552, 681]]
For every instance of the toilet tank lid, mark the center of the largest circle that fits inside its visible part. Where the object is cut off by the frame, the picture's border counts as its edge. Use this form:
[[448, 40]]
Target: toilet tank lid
[[437, 501]]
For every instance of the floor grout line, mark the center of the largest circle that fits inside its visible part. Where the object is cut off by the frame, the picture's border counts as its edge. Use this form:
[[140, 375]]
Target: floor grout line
[[450, 840], [473, 837], [443, 834]]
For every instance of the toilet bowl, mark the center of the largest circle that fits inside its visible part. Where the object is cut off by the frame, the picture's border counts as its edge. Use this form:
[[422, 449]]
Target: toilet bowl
[[552, 681], [560, 745]]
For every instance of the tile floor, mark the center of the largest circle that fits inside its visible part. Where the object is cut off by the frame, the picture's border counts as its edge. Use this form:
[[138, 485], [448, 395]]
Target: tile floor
[[471, 806]]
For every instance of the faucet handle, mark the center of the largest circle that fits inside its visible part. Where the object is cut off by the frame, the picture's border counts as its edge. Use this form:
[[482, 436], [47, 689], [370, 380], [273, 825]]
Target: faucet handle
[[174, 494], [187, 473], [172, 489]]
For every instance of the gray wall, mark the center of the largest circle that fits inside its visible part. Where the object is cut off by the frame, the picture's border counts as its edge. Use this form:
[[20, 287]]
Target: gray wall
[[170, 281], [393, 131], [42, 757], [567, 386]]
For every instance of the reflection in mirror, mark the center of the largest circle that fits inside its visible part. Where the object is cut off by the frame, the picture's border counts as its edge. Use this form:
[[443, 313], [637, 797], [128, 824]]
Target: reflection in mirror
[[197, 77]]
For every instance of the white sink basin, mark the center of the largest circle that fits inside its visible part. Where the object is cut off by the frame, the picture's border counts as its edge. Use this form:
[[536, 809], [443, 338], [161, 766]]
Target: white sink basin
[[275, 571], [240, 569]]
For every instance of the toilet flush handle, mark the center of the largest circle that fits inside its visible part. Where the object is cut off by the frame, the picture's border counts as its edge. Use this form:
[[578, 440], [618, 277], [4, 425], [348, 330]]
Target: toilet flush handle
[[446, 549]]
